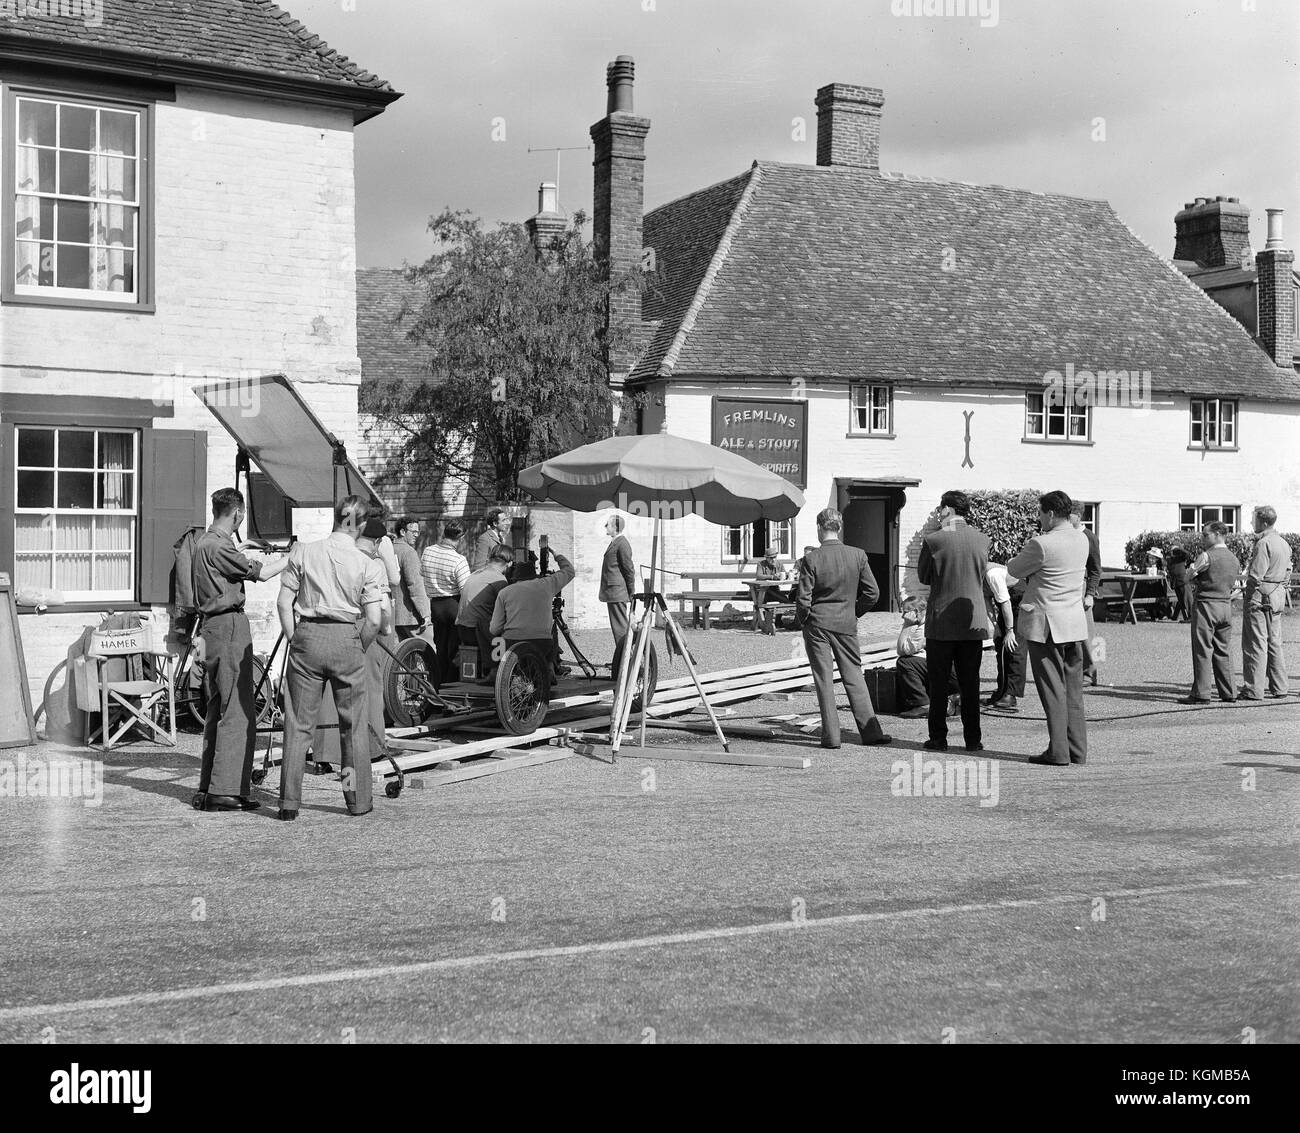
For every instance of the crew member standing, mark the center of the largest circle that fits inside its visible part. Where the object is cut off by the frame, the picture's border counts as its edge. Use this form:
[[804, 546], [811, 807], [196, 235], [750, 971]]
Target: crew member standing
[[1053, 566], [410, 602], [335, 592], [836, 587], [1212, 575], [617, 585], [219, 571], [1262, 603], [496, 531], [953, 561], [371, 543], [445, 574]]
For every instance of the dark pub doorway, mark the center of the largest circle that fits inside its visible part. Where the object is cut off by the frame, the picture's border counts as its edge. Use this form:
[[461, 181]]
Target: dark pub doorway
[[871, 509]]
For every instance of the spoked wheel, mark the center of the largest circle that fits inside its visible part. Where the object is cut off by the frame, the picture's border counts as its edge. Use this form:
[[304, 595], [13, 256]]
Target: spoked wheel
[[406, 682], [523, 689], [263, 694], [645, 687], [189, 693]]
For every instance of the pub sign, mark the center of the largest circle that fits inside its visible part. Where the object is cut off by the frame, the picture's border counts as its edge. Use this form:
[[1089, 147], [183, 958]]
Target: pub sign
[[773, 433]]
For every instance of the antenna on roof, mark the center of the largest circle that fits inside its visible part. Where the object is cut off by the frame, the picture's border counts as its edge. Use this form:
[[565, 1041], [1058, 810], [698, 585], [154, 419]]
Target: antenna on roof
[[557, 150]]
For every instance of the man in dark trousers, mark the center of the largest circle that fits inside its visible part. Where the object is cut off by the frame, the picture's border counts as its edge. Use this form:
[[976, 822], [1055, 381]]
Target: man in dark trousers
[[218, 573], [836, 587], [1091, 588], [1053, 565], [330, 611], [523, 611], [954, 559], [617, 585], [1212, 574]]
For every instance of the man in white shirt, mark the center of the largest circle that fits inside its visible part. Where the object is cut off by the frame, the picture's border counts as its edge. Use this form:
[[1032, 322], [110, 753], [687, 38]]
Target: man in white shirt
[[1002, 595], [445, 574]]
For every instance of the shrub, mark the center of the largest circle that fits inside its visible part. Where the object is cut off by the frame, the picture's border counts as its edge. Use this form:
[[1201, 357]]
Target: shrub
[[1241, 544], [1009, 518]]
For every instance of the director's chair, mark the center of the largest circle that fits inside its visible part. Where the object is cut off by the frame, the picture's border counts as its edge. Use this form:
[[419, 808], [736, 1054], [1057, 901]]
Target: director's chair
[[123, 674]]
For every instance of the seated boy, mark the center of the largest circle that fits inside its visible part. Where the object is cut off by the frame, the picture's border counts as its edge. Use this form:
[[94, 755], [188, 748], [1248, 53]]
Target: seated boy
[[910, 671]]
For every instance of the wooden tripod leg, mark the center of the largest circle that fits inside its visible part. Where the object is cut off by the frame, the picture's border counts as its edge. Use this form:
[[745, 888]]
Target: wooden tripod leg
[[690, 667], [640, 643], [620, 686]]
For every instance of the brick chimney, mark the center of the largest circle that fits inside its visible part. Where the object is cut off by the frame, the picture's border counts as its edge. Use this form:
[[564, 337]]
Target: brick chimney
[[617, 207], [549, 223], [1276, 295], [1212, 233], [848, 125]]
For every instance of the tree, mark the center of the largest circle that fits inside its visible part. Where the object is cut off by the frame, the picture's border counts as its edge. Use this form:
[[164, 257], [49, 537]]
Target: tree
[[518, 344]]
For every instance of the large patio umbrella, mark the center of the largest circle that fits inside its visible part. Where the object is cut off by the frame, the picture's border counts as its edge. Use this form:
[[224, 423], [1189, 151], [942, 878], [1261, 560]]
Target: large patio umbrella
[[666, 477]]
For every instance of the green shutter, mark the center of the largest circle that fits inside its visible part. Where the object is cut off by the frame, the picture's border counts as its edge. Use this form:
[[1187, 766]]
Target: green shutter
[[173, 497]]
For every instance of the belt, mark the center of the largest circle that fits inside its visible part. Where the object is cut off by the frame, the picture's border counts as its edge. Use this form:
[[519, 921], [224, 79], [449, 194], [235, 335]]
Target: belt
[[329, 621], [221, 613]]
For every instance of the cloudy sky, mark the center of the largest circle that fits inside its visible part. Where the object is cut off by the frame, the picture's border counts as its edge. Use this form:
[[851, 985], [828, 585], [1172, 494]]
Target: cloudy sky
[[1197, 99]]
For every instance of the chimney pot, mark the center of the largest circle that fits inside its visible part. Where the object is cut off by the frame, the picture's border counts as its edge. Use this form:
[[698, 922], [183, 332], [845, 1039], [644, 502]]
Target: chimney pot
[[1274, 229], [618, 78], [548, 197]]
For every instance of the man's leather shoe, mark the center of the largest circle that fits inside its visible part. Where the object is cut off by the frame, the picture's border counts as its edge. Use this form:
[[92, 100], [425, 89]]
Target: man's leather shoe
[[1007, 704], [916, 713], [1046, 760], [954, 705], [286, 815], [974, 747], [876, 738], [1078, 762], [229, 802], [830, 747], [1194, 700], [359, 813], [1246, 694], [936, 745]]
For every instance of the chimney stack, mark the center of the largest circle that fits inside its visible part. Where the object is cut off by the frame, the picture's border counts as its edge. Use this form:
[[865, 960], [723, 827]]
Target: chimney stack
[[1276, 296], [848, 125], [1212, 233], [549, 223], [618, 204]]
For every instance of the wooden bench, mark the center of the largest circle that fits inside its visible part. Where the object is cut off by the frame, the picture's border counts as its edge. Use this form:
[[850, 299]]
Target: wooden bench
[[701, 600]]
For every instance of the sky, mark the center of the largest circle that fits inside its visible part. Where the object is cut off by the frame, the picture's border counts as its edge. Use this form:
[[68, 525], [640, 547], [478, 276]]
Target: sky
[[1143, 103]]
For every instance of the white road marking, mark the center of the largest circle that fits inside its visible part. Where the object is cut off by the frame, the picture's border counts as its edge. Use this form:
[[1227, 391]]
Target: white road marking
[[346, 975]]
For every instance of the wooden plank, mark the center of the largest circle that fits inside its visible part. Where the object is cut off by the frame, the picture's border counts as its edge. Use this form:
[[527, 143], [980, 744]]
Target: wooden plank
[[749, 731], [711, 755], [485, 767]]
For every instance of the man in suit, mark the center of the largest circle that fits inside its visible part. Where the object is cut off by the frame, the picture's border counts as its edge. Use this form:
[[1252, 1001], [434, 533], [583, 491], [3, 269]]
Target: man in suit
[[1091, 588], [836, 588], [410, 600], [1262, 602], [1212, 574], [496, 530], [1053, 565], [954, 559], [617, 585]]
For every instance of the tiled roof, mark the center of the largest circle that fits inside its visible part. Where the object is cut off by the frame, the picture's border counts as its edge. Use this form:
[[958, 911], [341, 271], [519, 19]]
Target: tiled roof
[[254, 35], [384, 297], [839, 273]]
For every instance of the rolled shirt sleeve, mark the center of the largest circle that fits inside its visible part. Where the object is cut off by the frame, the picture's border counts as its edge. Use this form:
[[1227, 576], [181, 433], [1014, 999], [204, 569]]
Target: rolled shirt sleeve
[[291, 576], [374, 586]]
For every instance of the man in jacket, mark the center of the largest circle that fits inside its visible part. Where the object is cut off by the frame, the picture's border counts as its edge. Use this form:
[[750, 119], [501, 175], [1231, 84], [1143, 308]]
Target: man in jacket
[[617, 584], [410, 600], [522, 612], [477, 601], [836, 587], [496, 531], [1263, 601], [1052, 622], [954, 559], [1213, 574]]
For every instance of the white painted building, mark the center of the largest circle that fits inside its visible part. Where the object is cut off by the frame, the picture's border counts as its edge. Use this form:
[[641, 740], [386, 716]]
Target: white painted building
[[185, 211]]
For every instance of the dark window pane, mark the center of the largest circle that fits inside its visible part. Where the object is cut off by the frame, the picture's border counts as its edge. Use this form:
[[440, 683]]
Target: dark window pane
[[117, 132], [77, 127], [76, 490], [36, 447], [35, 489], [74, 174], [36, 122], [74, 266], [74, 221], [76, 449]]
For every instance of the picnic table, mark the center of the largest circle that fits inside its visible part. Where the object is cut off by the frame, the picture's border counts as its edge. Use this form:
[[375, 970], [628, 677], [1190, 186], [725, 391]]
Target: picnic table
[[702, 600], [1129, 585], [757, 589]]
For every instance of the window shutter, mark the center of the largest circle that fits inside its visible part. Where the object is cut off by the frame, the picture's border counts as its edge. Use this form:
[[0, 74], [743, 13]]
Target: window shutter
[[173, 497], [7, 466]]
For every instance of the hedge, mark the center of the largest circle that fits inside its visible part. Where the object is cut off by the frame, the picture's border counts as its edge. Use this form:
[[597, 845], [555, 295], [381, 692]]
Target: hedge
[[1008, 518], [1240, 544]]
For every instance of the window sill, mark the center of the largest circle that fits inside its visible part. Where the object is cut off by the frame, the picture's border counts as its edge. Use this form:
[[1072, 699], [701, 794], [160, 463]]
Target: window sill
[[15, 299], [88, 608], [871, 436], [1213, 448], [1053, 441]]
